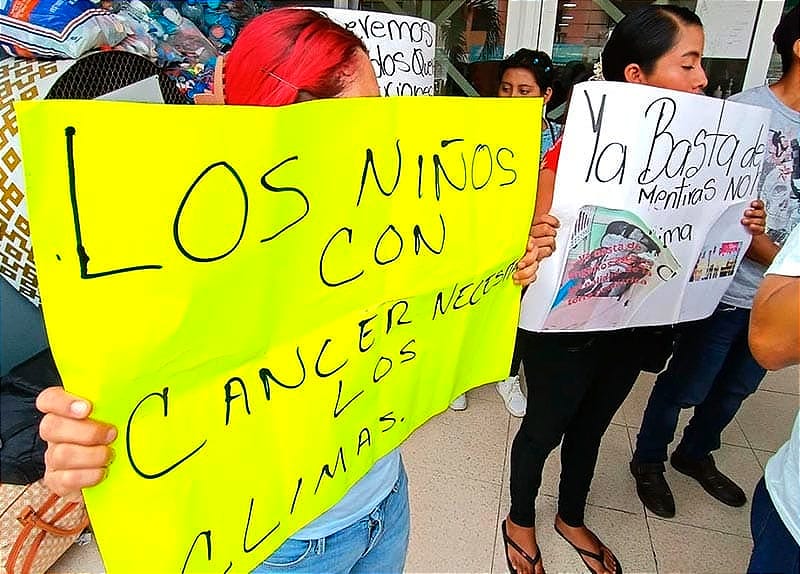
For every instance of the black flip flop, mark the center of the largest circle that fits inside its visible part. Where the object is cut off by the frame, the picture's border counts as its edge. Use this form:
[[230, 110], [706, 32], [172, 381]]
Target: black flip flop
[[508, 542], [598, 557]]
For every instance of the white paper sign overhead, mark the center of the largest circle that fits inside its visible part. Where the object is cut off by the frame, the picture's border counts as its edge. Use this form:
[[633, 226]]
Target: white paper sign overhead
[[402, 48], [650, 190], [147, 91], [728, 26]]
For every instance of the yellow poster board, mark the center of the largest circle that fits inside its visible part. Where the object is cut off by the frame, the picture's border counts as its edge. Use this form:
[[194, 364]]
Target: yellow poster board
[[266, 301]]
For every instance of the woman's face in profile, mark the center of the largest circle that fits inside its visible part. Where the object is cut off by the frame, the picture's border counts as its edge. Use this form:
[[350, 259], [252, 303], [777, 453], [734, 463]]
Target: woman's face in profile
[[519, 83], [680, 68]]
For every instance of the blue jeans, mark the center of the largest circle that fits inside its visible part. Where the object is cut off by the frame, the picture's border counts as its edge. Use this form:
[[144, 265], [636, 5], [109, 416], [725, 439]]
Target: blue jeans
[[376, 544], [774, 548], [711, 370]]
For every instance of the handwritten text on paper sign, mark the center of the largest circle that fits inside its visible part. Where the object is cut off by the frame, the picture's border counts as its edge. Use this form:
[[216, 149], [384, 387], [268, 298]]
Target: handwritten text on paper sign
[[266, 314]]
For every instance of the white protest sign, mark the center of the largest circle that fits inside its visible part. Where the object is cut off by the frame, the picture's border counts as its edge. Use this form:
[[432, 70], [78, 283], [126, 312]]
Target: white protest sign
[[402, 48], [650, 190]]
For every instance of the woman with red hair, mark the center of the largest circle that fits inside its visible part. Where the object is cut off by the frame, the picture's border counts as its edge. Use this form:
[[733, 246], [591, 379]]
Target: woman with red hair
[[292, 55], [282, 57]]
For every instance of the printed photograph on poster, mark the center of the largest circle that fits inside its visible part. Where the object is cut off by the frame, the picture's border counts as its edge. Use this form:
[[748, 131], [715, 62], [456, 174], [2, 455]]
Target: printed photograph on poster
[[615, 261], [781, 184], [715, 264], [716, 261]]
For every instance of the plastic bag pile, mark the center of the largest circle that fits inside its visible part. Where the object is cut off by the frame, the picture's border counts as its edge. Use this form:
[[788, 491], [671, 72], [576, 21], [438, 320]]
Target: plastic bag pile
[[184, 38]]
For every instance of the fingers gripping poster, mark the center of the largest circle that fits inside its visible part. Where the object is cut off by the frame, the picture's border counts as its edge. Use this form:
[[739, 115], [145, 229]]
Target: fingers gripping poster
[[265, 317], [650, 190]]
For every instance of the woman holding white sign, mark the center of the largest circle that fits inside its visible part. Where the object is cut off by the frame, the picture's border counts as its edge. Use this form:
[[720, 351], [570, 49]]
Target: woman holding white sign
[[581, 379]]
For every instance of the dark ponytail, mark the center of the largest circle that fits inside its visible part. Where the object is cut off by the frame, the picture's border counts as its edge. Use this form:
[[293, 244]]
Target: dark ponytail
[[642, 37]]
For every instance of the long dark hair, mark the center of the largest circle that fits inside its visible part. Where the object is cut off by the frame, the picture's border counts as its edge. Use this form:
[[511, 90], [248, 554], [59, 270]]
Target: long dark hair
[[642, 37], [786, 34]]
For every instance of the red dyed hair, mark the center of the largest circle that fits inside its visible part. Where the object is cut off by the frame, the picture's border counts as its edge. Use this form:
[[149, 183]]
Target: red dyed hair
[[286, 51]]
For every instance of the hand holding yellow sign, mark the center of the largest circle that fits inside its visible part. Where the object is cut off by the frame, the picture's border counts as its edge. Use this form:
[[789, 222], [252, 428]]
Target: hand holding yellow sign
[[266, 317]]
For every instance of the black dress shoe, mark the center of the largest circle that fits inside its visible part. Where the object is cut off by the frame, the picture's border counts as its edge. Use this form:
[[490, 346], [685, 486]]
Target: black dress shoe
[[652, 488], [710, 478]]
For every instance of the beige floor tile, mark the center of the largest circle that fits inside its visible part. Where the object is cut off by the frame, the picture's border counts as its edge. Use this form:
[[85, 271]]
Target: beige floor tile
[[612, 486], [784, 381], [766, 419], [619, 418], [763, 456], [513, 426], [84, 559], [695, 507], [681, 548], [734, 435], [484, 393], [452, 522], [465, 444], [626, 534]]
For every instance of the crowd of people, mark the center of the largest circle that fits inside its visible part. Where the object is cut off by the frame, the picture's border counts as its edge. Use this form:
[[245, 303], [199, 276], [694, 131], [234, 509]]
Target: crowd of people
[[581, 379]]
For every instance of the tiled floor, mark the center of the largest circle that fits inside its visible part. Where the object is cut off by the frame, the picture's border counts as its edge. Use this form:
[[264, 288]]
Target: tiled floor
[[458, 469]]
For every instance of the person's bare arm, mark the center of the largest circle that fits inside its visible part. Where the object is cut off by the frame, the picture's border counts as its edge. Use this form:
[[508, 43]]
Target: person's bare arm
[[775, 322], [762, 250], [544, 192]]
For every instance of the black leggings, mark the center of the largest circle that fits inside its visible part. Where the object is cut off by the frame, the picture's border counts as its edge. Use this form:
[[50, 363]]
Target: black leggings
[[577, 382], [516, 358]]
